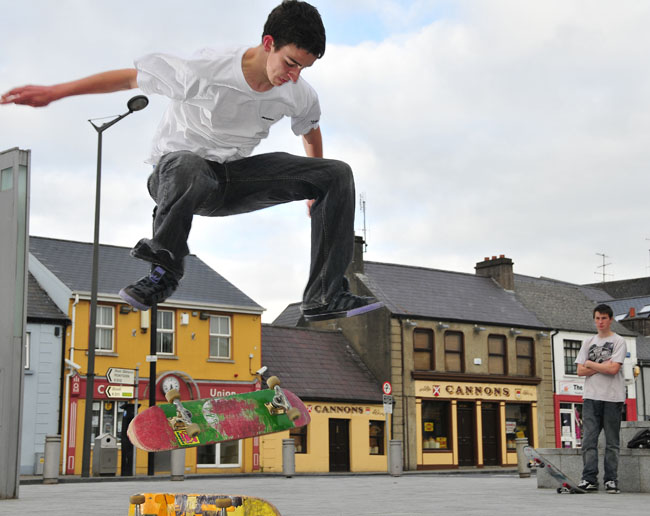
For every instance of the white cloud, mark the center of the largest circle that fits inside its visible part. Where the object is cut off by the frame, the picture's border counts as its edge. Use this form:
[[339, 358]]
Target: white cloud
[[493, 127]]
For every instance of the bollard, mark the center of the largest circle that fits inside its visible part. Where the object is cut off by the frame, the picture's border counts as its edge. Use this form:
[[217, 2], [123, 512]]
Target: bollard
[[52, 454], [522, 460], [395, 458], [178, 464], [288, 457]]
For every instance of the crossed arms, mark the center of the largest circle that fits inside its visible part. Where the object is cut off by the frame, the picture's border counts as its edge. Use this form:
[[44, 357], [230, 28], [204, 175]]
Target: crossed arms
[[590, 368]]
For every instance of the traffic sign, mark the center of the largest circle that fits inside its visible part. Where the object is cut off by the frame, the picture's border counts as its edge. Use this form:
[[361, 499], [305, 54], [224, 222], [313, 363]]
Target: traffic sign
[[387, 388], [119, 391], [117, 375]]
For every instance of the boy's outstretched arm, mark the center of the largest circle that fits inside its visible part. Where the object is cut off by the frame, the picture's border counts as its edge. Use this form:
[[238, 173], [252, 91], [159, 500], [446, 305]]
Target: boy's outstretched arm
[[105, 82]]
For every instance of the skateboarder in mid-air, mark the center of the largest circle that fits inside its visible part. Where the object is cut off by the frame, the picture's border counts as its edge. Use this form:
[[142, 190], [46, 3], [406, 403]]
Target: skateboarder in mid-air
[[222, 103]]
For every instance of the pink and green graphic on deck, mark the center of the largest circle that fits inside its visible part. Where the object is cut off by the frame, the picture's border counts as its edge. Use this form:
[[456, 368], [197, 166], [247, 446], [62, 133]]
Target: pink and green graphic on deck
[[183, 424]]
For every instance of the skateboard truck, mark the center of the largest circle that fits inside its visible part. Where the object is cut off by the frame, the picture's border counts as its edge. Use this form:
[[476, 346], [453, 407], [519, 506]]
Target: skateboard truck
[[183, 418], [280, 404]]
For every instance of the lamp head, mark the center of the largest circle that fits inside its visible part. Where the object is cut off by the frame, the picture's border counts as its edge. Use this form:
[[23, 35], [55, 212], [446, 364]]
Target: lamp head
[[137, 103]]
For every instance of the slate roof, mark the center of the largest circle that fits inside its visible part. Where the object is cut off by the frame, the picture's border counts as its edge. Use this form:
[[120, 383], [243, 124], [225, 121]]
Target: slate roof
[[643, 348], [621, 289], [317, 365], [445, 295], [39, 305], [290, 316], [623, 306], [561, 305], [71, 262]]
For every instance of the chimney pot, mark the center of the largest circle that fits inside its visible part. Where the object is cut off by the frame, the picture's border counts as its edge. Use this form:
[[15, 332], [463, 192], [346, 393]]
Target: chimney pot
[[494, 257], [632, 312]]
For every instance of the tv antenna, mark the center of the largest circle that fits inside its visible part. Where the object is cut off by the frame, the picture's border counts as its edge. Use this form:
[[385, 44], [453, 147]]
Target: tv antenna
[[602, 272], [362, 207]]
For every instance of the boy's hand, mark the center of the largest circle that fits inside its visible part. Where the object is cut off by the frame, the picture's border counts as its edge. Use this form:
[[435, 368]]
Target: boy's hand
[[35, 96]]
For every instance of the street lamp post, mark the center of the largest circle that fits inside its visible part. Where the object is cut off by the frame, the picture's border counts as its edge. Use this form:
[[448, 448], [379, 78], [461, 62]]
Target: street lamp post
[[134, 104]]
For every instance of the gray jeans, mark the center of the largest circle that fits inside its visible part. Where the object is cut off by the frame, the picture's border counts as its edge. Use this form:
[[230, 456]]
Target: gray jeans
[[596, 416], [184, 184]]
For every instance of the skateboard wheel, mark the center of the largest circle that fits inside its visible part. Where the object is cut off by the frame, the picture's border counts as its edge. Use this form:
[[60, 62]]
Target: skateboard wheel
[[172, 395], [222, 503], [193, 429], [272, 382], [137, 499], [293, 413]]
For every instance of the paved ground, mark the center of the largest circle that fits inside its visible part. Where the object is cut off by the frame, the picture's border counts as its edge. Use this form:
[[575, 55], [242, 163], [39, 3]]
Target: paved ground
[[359, 495]]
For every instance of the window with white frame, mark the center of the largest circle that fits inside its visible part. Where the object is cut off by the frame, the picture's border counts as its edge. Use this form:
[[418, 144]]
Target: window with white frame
[[220, 455], [219, 336], [105, 328], [165, 332]]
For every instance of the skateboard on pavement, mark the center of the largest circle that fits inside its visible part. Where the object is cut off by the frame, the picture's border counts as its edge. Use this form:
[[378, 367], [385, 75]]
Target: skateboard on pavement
[[537, 461], [167, 504], [184, 424]]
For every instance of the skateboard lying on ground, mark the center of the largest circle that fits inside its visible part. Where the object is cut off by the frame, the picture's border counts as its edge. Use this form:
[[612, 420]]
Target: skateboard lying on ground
[[167, 504], [537, 461], [184, 424]]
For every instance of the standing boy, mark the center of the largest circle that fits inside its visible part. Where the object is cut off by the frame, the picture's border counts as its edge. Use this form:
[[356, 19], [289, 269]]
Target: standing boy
[[222, 103], [600, 361]]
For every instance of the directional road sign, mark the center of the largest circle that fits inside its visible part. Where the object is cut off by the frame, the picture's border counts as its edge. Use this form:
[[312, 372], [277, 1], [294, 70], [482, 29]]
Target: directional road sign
[[117, 375], [119, 391]]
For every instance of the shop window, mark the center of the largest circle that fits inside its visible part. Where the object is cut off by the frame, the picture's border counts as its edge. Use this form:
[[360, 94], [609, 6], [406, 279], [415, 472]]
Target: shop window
[[497, 354], [299, 435], [423, 350], [435, 425], [376, 432], [165, 332], [105, 326], [219, 336], [571, 349], [220, 455], [517, 424], [107, 418], [525, 356], [454, 353]]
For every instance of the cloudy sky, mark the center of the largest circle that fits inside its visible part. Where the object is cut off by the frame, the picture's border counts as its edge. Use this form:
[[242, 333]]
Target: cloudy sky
[[475, 128]]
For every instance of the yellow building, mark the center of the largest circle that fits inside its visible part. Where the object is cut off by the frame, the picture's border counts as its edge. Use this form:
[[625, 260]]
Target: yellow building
[[348, 429], [208, 343]]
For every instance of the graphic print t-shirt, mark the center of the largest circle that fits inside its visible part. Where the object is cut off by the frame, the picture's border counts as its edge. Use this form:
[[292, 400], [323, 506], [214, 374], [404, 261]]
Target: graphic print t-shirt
[[600, 386]]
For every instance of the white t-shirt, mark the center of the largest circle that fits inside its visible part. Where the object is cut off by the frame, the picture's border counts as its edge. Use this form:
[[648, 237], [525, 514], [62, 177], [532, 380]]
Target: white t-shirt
[[600, 386], [213, 111]]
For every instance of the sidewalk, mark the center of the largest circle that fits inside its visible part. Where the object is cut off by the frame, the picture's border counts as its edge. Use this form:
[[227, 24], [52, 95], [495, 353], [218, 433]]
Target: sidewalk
[[501, 494]]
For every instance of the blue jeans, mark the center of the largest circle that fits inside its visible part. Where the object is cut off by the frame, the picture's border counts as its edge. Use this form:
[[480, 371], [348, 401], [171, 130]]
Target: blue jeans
[[184, 184], [596, 416]]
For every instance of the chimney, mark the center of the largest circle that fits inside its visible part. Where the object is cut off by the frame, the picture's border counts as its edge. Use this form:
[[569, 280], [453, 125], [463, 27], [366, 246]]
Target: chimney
[[500, 269], [632, 313], [356, 267]]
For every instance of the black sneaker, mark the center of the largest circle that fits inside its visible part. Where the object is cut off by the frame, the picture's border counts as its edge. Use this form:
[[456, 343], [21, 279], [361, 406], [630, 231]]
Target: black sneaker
[[585, 485], [155, 287], [146, 250], [611, 486], [343, 304]]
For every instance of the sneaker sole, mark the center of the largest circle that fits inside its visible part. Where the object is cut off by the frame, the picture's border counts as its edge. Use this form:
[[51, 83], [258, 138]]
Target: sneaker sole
[[344, 313], [133, 302]]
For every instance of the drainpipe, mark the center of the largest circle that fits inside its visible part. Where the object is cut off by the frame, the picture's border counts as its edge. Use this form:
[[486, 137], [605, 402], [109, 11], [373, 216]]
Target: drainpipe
[[66, 387], [553, 358]]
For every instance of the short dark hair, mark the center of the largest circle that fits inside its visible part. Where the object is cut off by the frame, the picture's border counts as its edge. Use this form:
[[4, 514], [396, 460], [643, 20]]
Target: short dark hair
[[298, 23], [604, 309]]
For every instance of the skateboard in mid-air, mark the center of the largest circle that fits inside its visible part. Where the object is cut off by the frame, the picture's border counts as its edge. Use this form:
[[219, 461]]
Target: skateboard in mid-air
[[184, 424], [168, 504], [537, 461]]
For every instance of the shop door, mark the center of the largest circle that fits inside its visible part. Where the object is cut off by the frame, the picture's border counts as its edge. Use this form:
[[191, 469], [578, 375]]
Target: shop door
[[490, 419], [466, 434], [339, 445], [571, 425]]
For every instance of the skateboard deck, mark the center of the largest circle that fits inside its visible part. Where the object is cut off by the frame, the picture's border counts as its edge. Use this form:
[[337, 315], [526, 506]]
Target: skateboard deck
[[537, 461], [184, 424], [181, 504]]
